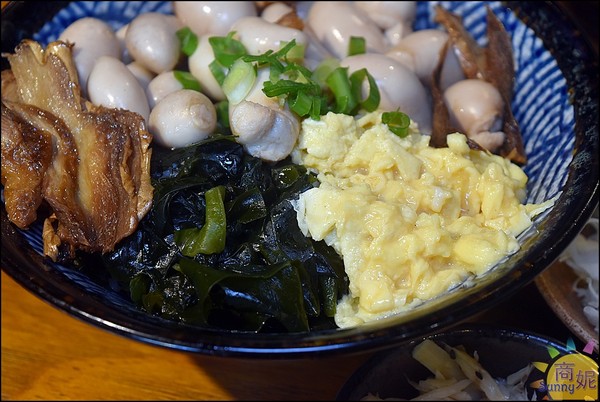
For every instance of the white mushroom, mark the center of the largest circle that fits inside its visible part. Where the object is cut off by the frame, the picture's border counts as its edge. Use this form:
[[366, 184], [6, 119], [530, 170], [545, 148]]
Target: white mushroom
[[143, 75], [274, 11], [397, 32], [111, 84], [452, 71], [476, 108], [212, 17], [259, 35], [302, 8], [162, 85], [399, 87], [199, 66], [121, 32], [92, 38], [265, 129], [386, 14], [151, 40], [335, 22], [421, 52], [182, 118], [394, 17]]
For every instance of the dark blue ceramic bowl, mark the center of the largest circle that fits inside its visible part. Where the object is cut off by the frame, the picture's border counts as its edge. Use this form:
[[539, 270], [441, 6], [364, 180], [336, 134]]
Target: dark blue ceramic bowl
[[555, 103]]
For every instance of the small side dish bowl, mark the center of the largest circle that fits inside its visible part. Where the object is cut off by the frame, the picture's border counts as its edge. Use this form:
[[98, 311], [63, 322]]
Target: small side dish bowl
[[392, 374], [555, 102]]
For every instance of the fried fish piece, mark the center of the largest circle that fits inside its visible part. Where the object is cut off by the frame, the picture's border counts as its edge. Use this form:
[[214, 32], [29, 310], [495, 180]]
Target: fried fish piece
[[493, 64]]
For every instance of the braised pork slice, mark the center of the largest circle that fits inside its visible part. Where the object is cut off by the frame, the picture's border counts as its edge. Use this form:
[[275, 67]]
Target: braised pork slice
[[90, 164]]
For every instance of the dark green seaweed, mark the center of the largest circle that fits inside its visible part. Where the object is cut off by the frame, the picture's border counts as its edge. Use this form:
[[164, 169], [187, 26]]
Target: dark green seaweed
[[268, 278]]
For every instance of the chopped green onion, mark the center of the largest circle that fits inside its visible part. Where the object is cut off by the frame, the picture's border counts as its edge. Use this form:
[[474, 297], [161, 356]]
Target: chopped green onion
[[357, 45], [188, 40], [239, 81], [270, 58], [227, 49], [301, 104], [217, 71], [325, 68], [317, 107], [275, 71], [222, 108], [296, 53], [283, 87], [187, 80], [340, 85], [372, 101], [307, 93], [397, 122], [297, 72], [304, 98], [209, 239]]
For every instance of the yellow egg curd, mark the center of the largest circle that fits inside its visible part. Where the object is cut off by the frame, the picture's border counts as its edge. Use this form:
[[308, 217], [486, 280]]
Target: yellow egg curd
[[410, 221]]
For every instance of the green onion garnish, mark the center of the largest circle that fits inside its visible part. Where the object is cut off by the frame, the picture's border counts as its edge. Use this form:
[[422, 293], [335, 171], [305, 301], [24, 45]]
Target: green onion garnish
[[356, 80], [340, 85], [210, 238], [283, 87], [357, 45], [187, 80], [397, 122], [218, 71], [188, 40], [325, 68], [239, 81], [222, 108], [301, 104], [296, 53], [307, 93], [227, 49]]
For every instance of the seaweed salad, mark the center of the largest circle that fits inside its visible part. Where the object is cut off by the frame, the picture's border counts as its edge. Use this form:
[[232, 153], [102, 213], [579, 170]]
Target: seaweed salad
[[221, 246]]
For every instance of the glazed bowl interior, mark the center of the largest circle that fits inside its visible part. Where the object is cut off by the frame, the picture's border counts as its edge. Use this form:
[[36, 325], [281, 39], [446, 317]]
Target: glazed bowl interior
[[555, 102]]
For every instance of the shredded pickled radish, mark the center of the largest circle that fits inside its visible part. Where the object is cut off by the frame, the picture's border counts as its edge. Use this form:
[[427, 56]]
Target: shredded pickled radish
[[459, 376]]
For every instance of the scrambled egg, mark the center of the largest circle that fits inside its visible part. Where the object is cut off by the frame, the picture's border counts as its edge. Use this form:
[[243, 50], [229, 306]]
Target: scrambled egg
[[410, 221]]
